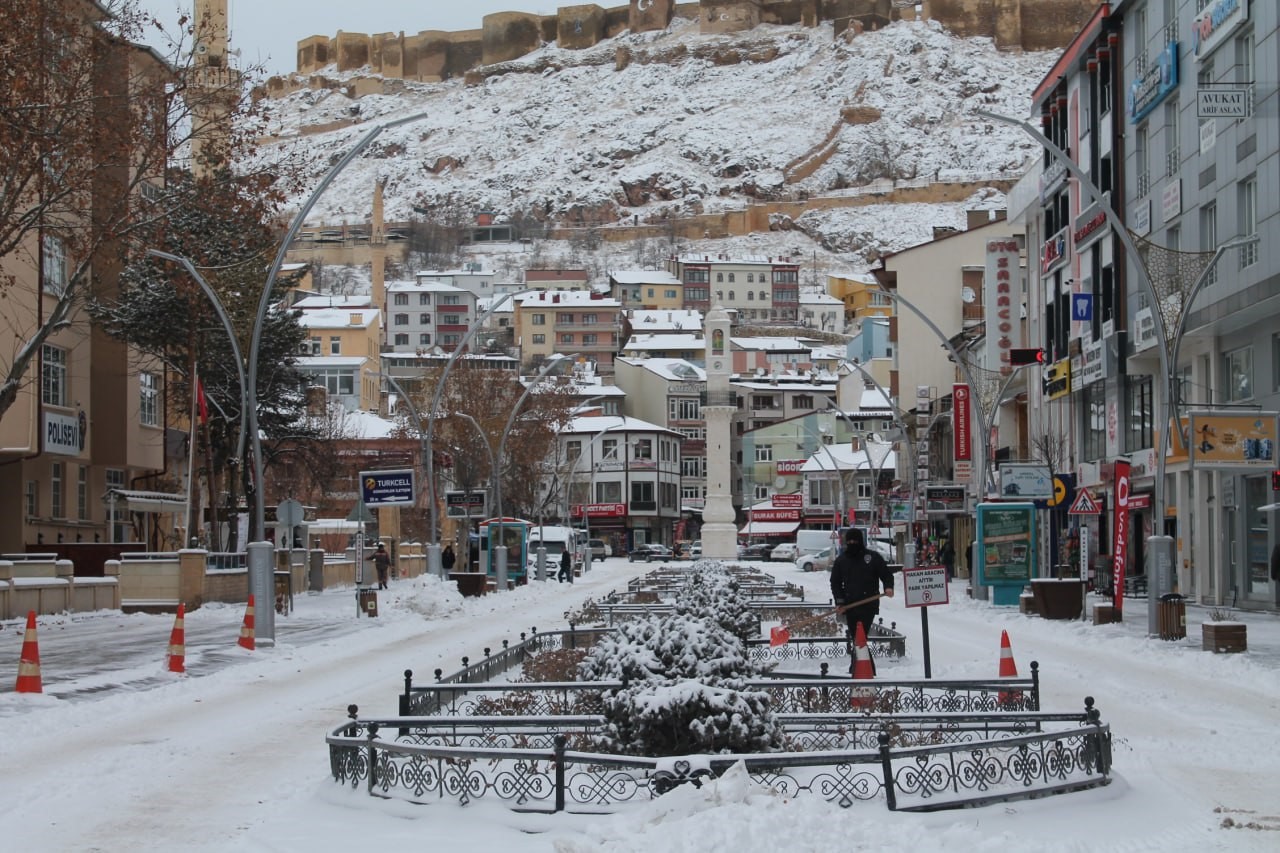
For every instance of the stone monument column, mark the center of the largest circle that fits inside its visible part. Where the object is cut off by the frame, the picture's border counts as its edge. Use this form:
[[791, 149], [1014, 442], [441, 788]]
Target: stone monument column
[[719, 532]]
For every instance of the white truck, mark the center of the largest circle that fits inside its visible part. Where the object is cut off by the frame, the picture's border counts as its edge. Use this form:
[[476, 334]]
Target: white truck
[[557, 539], [813, 541]]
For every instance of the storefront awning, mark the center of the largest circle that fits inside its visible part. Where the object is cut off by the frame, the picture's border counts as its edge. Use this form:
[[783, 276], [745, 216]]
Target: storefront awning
[[140, 501], [769, 528]]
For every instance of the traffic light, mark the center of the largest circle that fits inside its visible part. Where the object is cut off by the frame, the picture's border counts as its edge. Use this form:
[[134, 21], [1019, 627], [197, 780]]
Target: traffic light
[[1020, 357], [1275, 481]]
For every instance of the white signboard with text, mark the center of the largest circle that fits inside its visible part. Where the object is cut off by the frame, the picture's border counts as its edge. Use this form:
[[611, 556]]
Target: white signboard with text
[[925, 586]]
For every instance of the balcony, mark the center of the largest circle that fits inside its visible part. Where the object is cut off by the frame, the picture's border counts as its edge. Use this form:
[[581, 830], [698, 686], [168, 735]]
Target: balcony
[[644, 506]]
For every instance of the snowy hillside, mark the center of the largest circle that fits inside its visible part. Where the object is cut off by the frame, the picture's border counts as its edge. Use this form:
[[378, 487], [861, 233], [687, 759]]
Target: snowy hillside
[[681, 129]]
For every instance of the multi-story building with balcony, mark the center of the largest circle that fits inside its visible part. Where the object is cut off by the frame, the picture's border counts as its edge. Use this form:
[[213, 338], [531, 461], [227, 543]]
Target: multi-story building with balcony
[[568, 321], [425, 314], [622, 475], [671, 392], [646, 289], [764, 290], [342, 354]]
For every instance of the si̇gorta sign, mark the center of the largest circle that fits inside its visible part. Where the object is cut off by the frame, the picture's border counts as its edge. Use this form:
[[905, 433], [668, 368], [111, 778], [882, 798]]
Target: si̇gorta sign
[[387, 488]]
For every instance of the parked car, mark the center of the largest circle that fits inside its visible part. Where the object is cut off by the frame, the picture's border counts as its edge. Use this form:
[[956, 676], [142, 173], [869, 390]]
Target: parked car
[[650, 552], [819, 562], [758, 551], [695, 550], [785, 552], [599, 549]]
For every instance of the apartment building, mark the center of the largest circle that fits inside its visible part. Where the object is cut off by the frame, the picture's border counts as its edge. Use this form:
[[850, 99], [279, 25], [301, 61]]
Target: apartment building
[[753, 289], [670, 392], [646, 289], [422, 315], [568, 321], [343, 354]]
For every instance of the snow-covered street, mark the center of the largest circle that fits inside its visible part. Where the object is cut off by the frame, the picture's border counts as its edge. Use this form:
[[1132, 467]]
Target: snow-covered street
[[119, 755]]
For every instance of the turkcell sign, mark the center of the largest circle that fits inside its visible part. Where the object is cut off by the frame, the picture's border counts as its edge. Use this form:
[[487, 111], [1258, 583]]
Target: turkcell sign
[[387, 488]]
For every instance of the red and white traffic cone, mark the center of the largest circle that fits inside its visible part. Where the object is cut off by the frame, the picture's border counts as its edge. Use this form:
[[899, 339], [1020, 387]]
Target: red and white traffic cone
[[246, 630], [862, 698], [29, 662], [1008, 669], [178, 642]]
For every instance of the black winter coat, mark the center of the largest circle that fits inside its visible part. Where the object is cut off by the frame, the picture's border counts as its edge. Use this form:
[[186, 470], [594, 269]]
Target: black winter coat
[[855, 579]]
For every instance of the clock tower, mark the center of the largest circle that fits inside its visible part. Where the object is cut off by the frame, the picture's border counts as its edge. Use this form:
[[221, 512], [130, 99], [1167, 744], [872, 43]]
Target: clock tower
[[719, 532]]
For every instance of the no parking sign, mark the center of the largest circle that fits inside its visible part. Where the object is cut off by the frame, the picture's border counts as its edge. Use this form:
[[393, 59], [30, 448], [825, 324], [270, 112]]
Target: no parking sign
[[925, 586]]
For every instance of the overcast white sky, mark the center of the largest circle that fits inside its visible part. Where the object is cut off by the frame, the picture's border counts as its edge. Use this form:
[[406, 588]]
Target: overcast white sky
[[267, 31]]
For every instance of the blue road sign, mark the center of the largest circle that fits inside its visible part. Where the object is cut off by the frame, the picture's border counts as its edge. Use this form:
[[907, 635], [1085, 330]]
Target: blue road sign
[[387, 488], [1082, 307]]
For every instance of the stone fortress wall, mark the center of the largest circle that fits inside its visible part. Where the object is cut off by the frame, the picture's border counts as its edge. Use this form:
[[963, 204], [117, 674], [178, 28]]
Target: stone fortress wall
[[436, 55]]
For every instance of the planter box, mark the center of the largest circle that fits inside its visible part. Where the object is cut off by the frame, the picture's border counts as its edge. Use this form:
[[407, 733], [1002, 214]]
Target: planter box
[[1221, 637], [1104, 614]]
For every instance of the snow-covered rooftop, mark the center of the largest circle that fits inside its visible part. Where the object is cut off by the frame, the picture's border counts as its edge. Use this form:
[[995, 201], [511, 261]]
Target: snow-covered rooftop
[[324, 318], [665, 320]]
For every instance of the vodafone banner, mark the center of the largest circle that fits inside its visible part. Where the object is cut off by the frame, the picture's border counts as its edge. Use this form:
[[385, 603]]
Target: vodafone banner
[[1120, 539], [960, 423]]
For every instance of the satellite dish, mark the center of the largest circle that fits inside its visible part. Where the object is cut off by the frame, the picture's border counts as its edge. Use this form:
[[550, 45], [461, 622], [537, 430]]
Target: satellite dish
[[968, 295], [780, 483]]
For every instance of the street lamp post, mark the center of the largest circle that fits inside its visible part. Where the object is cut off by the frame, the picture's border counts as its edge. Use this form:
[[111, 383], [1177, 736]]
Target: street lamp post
[[499, 554]]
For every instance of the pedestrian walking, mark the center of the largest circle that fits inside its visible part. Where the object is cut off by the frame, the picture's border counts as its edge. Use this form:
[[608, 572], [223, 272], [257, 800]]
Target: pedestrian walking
[[566, 567], [948, 558], [381, 562], [858, 573], [448, 558]]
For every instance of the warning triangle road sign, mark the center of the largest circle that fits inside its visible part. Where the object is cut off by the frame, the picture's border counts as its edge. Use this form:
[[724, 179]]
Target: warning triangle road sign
[[1084, 504]]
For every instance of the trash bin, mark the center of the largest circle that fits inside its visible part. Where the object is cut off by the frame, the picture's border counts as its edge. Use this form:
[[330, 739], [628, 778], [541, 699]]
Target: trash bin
[[368, 601], [1171, 616]]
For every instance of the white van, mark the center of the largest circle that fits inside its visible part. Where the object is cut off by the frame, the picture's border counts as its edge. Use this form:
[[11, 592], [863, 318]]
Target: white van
[[813, 541], [557, 539]]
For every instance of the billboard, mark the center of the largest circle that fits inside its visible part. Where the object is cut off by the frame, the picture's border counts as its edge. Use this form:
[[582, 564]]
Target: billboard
[[387, 488], [944, 498], [1025, 481], [1235, 440], [1006, 542]]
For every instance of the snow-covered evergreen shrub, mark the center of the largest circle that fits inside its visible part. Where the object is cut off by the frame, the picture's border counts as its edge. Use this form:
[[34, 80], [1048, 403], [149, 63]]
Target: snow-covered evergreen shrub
[[686, 688], [712, 592]]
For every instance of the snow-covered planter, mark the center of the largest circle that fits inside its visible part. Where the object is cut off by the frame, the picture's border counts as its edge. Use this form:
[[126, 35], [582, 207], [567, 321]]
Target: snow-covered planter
[[1220, 634]]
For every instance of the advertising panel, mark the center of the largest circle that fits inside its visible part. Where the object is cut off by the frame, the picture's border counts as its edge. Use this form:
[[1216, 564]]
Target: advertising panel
[[1006, 540], [1120, 533], [387, 488], [1233, 440], [960, 423], [944, 498], [1000, 282], [1025, 481], [791, 501]]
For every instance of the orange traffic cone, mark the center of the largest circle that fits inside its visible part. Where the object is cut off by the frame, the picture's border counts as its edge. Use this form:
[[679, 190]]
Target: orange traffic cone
[[1008, 669], [862, 698], [178, 642], [246, 630], [29, 663]]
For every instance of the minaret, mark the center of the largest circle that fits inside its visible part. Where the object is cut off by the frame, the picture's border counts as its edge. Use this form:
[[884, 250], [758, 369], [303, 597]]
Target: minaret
[[378, 252], [213, 88], [719, 533]]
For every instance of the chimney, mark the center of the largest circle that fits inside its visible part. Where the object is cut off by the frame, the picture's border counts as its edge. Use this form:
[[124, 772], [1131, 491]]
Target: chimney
[[976, 219]]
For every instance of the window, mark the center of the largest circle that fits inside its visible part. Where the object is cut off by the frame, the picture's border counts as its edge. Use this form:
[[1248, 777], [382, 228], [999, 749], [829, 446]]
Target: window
[[451, 319], [53, 376], [1248, 219], [57, 503], [592, 319], [424, 319], [651, 293], [117, 516], [1093, 426], [609, 448], [55, 265], [764, 452], [864, 488], [588, 339], [608, 492], [1140, 419], [566, 339], [731, 296], [1141, 157], [764, 296], [1204, 79], [760, 491], [642, 495], [538, 320], [643, 448], [693, 466], [149, 399], [424, 298], [1172, 155], [564, 318], [335, 345], [82, 493], [336, 382], [424, 340], [802, 401], [451, 299], [683, 409], [751, 296], [402, 340], [719, 277], [1245, 66], [669, 294], [751, 278], [732, 277], [539, 339], [697, 294], [1237, 376], [315, 346], [401, 320], [33, 498], [1209, 237], [401, 299]]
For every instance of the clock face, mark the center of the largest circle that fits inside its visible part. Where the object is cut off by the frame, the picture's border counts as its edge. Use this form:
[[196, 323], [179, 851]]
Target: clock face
[[968, 295], [716, 365]]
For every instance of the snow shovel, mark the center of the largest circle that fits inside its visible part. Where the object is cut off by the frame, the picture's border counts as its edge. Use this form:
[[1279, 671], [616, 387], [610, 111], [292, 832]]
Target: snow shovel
[[779, 635]]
